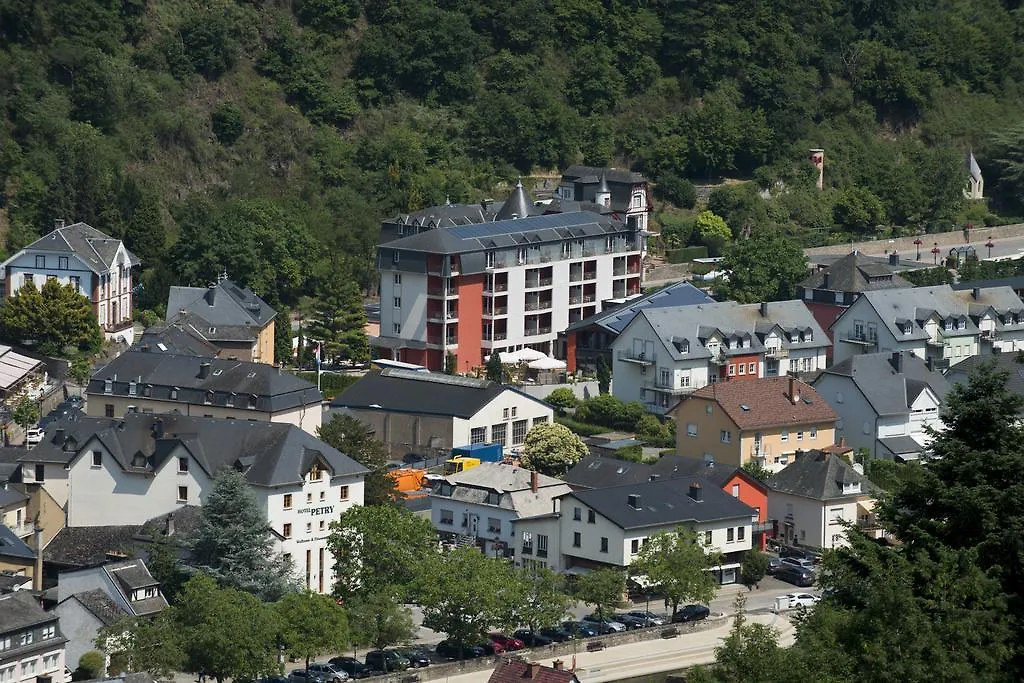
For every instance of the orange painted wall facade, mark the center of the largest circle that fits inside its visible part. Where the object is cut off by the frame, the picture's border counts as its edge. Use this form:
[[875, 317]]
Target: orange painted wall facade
[[471, 322], [755, 497]]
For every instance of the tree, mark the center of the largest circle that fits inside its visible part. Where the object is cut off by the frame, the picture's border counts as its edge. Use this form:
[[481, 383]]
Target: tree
[[604, 376], [338, 321], [92, 665], [26, 412], [551, 448], [225, 632], [765, 267], [757, 470], [465, 593], [379, 549], [495, 370], [283, 337], [235, 545], [679, 191], [750, 653], [81, 370], [753, 568], [713, 231], [163, 563], [676, 566], [227, 122], [50, 319], [562, 397], [311, 624], [377, 620], [544, 601], [152, 645], [354, 439], [602, 588]]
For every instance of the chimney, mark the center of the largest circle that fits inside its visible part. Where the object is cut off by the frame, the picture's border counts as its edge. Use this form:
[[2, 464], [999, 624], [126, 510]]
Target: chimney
[[976, 293], [169, 525], [696, 491], [794, 391], [534, 481], [211, 295], [558, 665], [58, 436], [534, 670], [894, 258], [158, 428], [58, 223], [764, 309], [204, 370], [842, 442], [37, 572], [798, 453], [929, 363], [634, 501], [897, 361], [824, 285]]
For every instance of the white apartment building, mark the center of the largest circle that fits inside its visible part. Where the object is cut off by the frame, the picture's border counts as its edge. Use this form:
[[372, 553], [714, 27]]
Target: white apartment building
[[97, 265], [939, 324], [666, 353], [143, 466], [33, 645], [517, 281]]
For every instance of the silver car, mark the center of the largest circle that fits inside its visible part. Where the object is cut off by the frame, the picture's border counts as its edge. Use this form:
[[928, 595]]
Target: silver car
[[329, 672]]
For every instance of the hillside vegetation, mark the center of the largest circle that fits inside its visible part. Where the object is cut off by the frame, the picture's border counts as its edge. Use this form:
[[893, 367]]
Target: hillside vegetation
[[268, 139]]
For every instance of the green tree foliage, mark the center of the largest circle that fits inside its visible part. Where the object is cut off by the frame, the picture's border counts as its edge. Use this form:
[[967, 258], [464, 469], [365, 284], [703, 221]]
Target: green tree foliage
[[227, 122], [92, 664], [234, 543], [610, 412], [338, 321], [679, 191], [283, 337], [940, 275], [544, 601], [164, 564], [551, 448], [378, 621], [154, 645], [603, 589], [354, 439], [766, 267], [749, 652], [26, 412], [604, 376], [379, 549], [713, 231], [311, 624], [50, 319], [753, 568], [562, 398], [757, 470], [495, 370], [676, 565]]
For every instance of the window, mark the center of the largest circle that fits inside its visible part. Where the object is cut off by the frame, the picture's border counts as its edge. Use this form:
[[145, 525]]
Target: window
[[40, 473], [447, 517], [800, 436], [540, 420], [286, 531], [729, 533], [76, 282], [666, 377], [398, 278], [591, 517], [343, 492], [514, 409], [691, 429], [504, 414], [478, 435], [97, 458], [490, 259], [108, 410], [813, 433], [493, 525], [577, 514], [604, 544], [309, 527], [784, 435], [498, 433], [62, 262], [26, 638], [743, 368], [133, 389], [732, 369], [576, 539], [208, 399], [174, 393], [634, 546], [183, 465], [735, 490], [398, 302], [741, 533], [395, 257], [5, 642], [323, 495], [542, 545], [309, 498], [684, 380], [752, 368], [726, 436], [396, 328], [287, 501], [28, 666], [7, 675], [518, 432], [182, 494], [493, 498], [40, 261]]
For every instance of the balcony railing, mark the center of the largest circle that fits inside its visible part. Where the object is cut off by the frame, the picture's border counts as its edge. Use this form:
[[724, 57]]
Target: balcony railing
[[496, 287], [776, 352], [537, 305], [638, 358], [441, 291], [536, 331], [719, 358], [532, 283], [590, 274], [859, 338], [496, 312], [633, 269], [22, 530], [759, 451], [763, 527], [499, 336], [618, 271]]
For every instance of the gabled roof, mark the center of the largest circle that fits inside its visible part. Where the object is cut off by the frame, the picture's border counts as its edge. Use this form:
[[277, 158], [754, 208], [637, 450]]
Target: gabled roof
[[225, 308], [819, 476], [13, 547], [584, 174], [89, 546], [856, 272], [890, 381], [662, 502], [918, 305], [902, 447], [96, 249], [597, 472], [767, 402], [20, 610], [177, 338], [1008, 362], [99, 604], [615, 319], [517, 671], [512, 483], [425, 393], [229, 380]]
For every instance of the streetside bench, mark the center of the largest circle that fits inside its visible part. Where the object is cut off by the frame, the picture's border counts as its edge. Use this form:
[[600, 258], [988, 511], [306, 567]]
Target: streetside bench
[[595, 646]]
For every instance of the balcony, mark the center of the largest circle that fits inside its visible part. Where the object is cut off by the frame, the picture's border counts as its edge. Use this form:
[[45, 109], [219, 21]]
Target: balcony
[[667, 388], [719, 358], [536, 331], [534, 283], [638, 358], [989, 335], [759, 451], [441, 292], [497, 287], [590, 274], [22, 530], [776, 352], [435, 316], [537, 305], [494, 338], [859, 339], [542, 552], [763, 527], [496, 312], [939, 344], [633, 269]]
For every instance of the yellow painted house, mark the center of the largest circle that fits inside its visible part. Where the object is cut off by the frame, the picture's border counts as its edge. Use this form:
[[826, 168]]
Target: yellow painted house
[[765, 421]]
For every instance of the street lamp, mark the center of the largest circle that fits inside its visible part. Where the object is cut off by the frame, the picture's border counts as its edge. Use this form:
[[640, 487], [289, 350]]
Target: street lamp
[[989, 245], [935, 253], [918, 243]]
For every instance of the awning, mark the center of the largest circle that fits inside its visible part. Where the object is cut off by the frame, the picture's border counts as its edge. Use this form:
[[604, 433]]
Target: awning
[[642, 580], [14, 367]]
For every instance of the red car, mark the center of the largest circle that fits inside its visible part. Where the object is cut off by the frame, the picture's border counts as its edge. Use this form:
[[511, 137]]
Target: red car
[[506, 642]]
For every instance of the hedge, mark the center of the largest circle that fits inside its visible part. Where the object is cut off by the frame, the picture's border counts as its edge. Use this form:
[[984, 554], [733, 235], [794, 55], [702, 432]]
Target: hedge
[[685, 254], [581, 428], [331, 384]]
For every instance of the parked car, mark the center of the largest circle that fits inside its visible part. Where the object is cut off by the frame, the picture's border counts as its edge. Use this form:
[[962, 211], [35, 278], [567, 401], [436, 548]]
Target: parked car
[[773, 565], [352, 666], [268, 679], [417, 658], [579, 629], [798, 576], [532, 639], [33, 435], [690, 613], [801, 562], [492, 648], [452, 650], [330, 673], [604, 626], [303, 676], [799, 553], [558, 634], [802, 600], [507, 642], [630, 622], [649, 618], [386, 661]]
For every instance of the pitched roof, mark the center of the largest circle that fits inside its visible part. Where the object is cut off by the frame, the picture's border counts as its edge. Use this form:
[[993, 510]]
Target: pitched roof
[[889, 390], [856, 272], [766, 402], [233, 380], [516, 671], [615, 319], [96, 249], [580, 173], [662, 502], [425, 393], [518, 205], [1008, 362], [12, 546], [501, 477], [177, 338], [223, 305], [89, 546], [513, 484], [99, 604], [903, 447], [20, 610], [596, 472], [917, 305], [820, 476]]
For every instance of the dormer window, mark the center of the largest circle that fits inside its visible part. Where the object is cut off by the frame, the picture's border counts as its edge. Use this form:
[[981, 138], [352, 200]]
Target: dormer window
[[493, 497], [230, 401], [147, 390], [947, 325], [961, 324], [108, 386], [252, 401], [133, 389], [685, 346], [851, 487], [809, 336], [208, 399], [174, 393]]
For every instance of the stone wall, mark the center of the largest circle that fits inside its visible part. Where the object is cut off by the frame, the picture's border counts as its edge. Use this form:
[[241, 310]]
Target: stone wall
[[905, 245]]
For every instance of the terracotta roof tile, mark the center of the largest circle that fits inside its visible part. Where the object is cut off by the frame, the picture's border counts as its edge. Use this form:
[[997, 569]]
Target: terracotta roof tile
[[514, 671], [767, 403]]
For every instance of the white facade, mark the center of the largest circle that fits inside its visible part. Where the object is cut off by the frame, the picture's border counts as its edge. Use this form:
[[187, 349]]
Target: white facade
[[816, 523], [510, 412], [538, 542]]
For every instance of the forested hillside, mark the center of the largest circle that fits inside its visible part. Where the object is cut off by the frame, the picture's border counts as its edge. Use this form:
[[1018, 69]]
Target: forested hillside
[[269, 138]]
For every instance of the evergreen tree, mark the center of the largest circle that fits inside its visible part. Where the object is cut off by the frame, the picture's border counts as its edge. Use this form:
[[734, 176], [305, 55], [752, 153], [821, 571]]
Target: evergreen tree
[[495, 370], [338, 321], [234, 543], [604, 376], [50, 319], [144, 233], [354, 439], [283, 337]]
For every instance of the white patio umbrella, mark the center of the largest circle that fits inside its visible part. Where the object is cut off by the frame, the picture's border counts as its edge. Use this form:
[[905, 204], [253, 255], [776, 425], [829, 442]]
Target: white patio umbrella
[[547, 363], [527, 354], [507, 357]]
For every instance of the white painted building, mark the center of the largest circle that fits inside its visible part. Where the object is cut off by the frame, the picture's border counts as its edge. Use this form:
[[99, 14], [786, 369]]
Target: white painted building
[[886, 402], [666, 353], [97, 265], [939, 324], [33, 643], [480, 505], [140, 467]]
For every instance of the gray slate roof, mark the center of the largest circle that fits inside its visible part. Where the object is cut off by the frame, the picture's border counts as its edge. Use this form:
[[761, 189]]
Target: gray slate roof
[[518, 205], [234, 380], [269, 453], [511, 482], [597, 472], [176, 338], [12, 546], [896, 307], [961, 372], [89, 546], [99, 604], [902, 446], [11, 495], [856, 272], [95, 248], [20, 610], [424, 393], [889, 392], [225, 304], [819, 476], [663, 502], [580, 173], [614, 320], [132, 574]]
